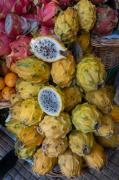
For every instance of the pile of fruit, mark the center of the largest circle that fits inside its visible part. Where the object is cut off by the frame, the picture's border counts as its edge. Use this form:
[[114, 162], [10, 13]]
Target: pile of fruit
[[62, 111]]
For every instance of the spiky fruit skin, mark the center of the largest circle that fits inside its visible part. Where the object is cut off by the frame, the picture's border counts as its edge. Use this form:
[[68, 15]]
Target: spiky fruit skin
[[101, 99], [61, 97], [27, 89], [84, 41], [107, 127], [111, 142], [54, 147], [47, 14], [43, 164], [14, 98], [111, 92], [63, 71], [106, 21], [91, 74], [97, 158], [24, 153], [81, 143], [4, 45], [67, 25], [44, 31], [86, 14], [20, 49], [73, 96], [70, 164], [15, 110], [96, 2], [29, 16], [29, 138], [2, 25], [13, 126], [33, 69], [86, 118], [115, 113], [55, 127], [65, 3], [30, 112]]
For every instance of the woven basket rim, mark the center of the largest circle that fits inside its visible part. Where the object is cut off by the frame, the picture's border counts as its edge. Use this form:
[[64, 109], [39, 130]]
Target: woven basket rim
[[101, 42]]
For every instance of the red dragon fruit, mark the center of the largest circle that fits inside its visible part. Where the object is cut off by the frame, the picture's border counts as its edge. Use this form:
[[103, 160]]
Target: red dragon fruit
[[114, 4], [65, 3], [38, 2], [29, 16], [33, 9], [44, 31], [47, 14], [106, 21], [4, 44], [98, 1], [2, 26], [16, 25], [15, 6], [20, 49]]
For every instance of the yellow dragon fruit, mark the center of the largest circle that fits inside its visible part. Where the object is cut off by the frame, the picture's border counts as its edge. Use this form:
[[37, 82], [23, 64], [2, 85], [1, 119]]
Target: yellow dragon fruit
[[33, 69], [86, 118], [70, 164], [91, 74], [27, 89], [73, 96], [97, 158], [63, 71], [51, 100], [107, 127], [115, 113], [55, 127], [67, 25], [111, 92], [111, 142], [24, 153], [13, 126], [14, 98], [54, 147], [84, 41], [87, 14], [43, 164], [15, 110], [30, 112], [81, 143], [29, 138], [101, 99]]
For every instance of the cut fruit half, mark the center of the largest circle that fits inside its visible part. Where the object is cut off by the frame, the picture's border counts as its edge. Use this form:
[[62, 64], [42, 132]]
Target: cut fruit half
[[48, 48], [51, 100]]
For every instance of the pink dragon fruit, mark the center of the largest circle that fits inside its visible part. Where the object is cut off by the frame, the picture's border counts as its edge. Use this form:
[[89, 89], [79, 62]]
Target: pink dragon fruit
[[114, 4], [16, 25], [47, 14], [98, 1], [33, 9], [4, 44], [65, 3], [15, 6], [2, 26], [44, 31], [106, 21], [29, 16], [38, 2], [20, 49]]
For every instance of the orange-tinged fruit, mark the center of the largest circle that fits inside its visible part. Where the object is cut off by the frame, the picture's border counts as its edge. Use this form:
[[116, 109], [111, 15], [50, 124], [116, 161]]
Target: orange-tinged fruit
[[10, 79], [2, 83], [12, 67], [7, 91], [0, 95], [4, 69]]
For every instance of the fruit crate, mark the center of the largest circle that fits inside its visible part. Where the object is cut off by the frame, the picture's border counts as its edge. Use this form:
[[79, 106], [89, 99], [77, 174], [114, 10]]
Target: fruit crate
[[107, 50]]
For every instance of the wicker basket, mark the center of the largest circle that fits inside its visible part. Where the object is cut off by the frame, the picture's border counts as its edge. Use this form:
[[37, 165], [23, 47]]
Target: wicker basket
[[107, 50], [5, 104]]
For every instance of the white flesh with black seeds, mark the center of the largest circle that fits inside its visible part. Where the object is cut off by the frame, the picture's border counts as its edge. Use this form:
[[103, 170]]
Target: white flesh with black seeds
[[49, 101], [8, 24], [47, 49]]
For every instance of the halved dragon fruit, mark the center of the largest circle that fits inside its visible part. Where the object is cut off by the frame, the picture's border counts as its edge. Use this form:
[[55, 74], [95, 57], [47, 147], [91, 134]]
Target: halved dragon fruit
[[20, 49], [2, 26], [16, 25], [51, 100], [48, 48]]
